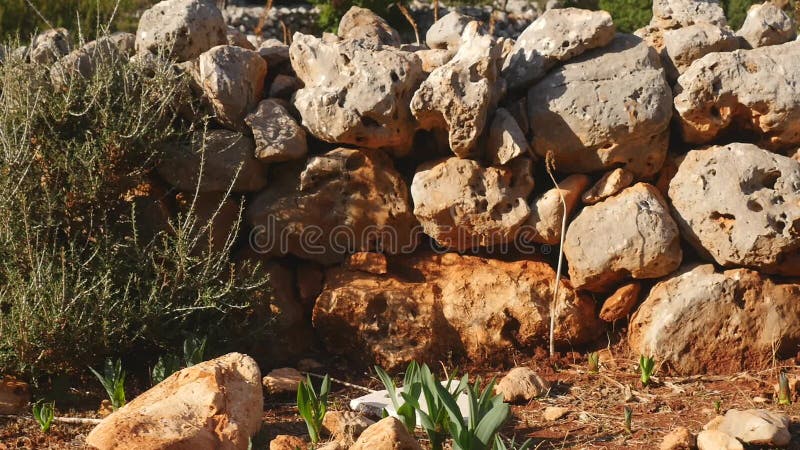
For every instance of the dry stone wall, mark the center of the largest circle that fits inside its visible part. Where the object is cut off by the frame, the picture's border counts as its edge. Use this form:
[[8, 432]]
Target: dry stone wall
[[404, 188]]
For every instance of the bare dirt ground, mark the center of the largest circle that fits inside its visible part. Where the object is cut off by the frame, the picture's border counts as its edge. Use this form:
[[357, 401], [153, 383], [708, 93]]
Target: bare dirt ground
[[595, 402]]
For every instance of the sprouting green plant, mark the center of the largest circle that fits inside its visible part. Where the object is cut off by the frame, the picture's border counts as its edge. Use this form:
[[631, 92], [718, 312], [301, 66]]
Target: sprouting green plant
[[628, 419], [44, 413], [784, 393], [113, 381], [164, 367], [487, 413], [412, 388], [313, 406], [646, 366], [499, 444], [717, 407], [194, 349], [435, 419], [594, 362]]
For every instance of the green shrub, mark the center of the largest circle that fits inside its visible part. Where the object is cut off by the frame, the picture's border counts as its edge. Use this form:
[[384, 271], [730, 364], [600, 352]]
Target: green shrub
[[628, 15], [17, 17], [82, 275], [736, 11]]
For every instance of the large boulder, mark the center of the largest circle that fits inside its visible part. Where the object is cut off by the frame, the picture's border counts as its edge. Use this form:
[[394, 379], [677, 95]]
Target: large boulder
[[609, 107], [181, 29], [744, 91], [703, 321], [361, 23], [740, 206], [629, 235], [556, 36], [767, 24], [341, 202], [355, 92], [227, 160], [216, 404], [277, 135], [434, 305], [457, 97], [685, 45], [463, 206], [233, 82]]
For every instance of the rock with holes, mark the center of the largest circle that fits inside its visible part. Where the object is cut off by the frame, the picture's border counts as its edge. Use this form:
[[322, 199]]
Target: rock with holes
[[433, 58], [611, 183], [446, 32], [629, 235], [50, 46], [181, 29], [355, 92], [556, 36], [432, 305], [227, 160], [361, 23], [547, 211], [213, 405], [669, 14], [277, 135], [767, 24], [739, 205], [340, 202], [505, 140], [521, 384], [232, 79], [465, 206], [457, 97], [706, 321], [755, 92], [609, 107], [683, 46]]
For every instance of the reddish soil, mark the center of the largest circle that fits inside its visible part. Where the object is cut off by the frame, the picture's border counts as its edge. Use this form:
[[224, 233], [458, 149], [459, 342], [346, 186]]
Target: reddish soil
[[595, 402]]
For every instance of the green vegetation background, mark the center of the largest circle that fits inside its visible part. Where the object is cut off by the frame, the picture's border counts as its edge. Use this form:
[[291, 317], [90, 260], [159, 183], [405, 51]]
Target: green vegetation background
[[16, 16]]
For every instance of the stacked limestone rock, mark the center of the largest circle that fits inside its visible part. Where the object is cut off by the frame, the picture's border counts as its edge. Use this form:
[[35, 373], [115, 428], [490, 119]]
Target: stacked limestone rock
[[354, 149]]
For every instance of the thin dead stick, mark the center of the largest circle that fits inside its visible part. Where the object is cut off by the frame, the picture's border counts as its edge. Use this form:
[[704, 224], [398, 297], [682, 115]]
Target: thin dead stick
[[435, 10], [263, 19], [71, 420], [286, 37], [410, 19], [342, 382], [39, 14], [550, 166]]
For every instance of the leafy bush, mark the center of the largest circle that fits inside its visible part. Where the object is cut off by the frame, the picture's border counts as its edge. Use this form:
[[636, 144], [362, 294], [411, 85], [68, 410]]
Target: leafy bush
[[736, 11], [628, 15], [17, 17], [83, 274]]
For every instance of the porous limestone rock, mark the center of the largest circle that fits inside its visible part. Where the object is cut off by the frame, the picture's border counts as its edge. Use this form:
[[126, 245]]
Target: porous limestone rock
[[288, 442], [465, 206], [457, 97], [621, 302], [758, 427], [387, 434], [226, 157], [282, 380], [717, 440], [547, 211], [609, 107], [611, 183], [50, 46], [433, 58], [431, 305], [181, 29], [232, 79], [629, 235], [356, 93], [556, 36], [505, 140], [340, 202], [767, 24], [706, 321], [685, 45], [361, 23], [212, 405], [345, 426], [679, 439], [278, 136], [745, 91], [521, 384], [740, 205], [681, 13], [446, 32]]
